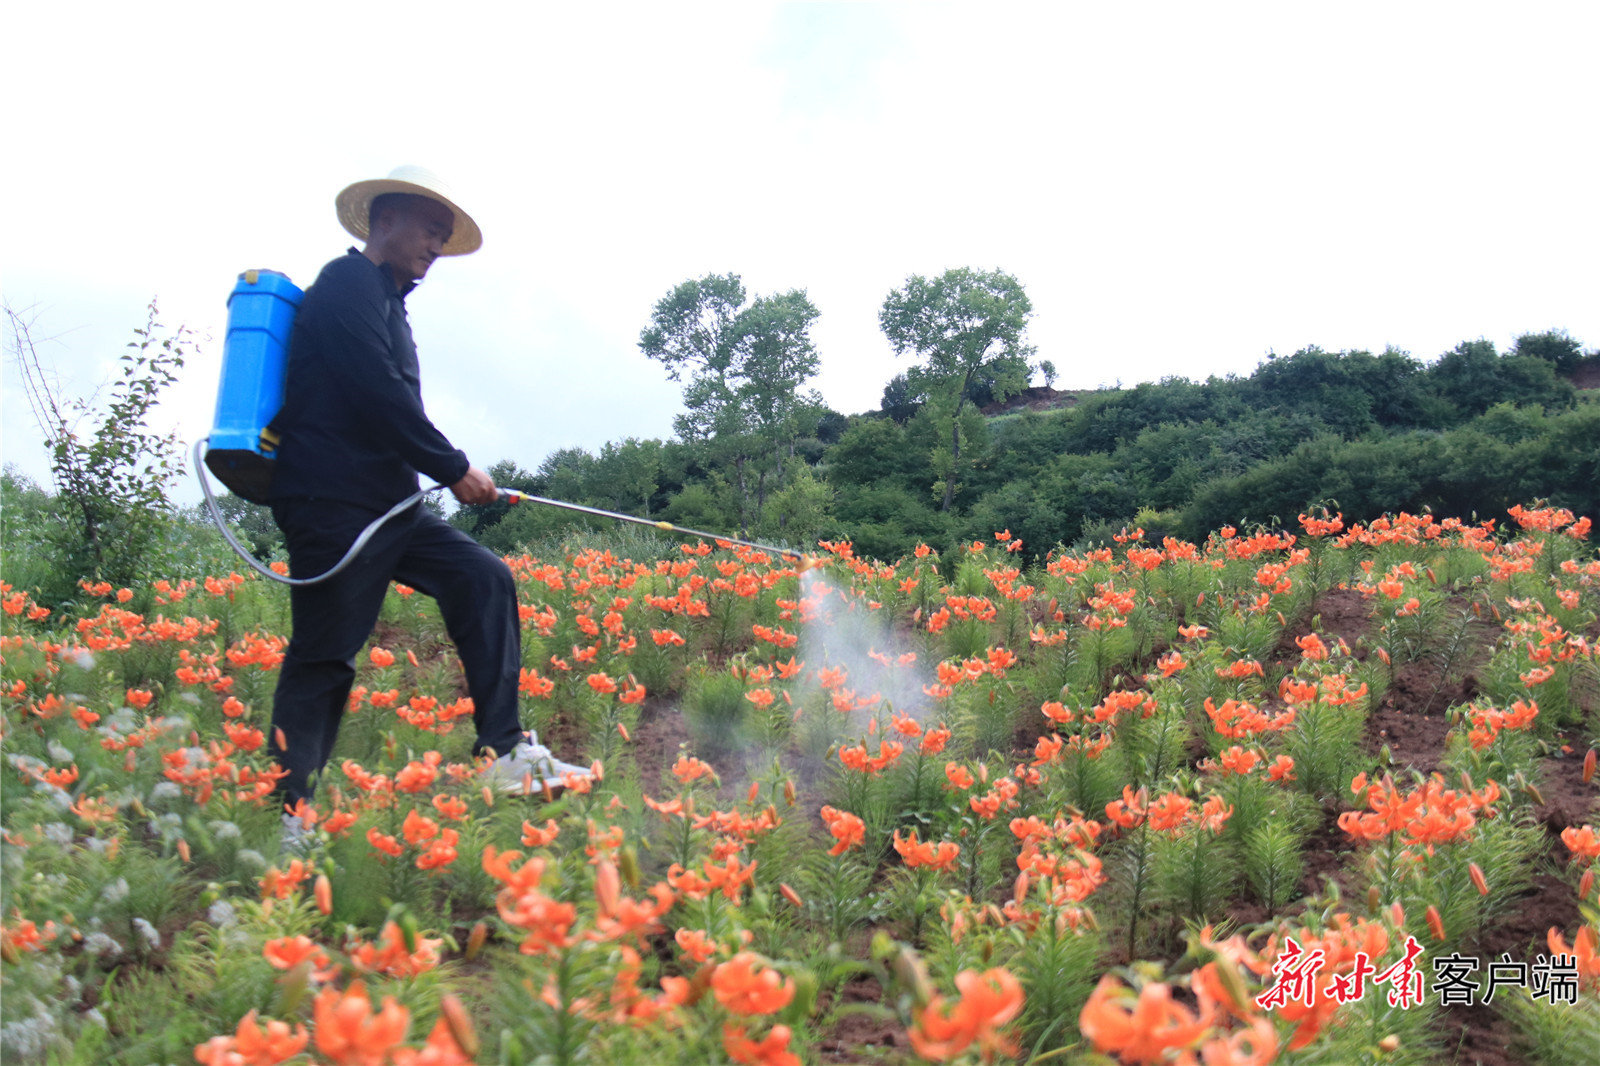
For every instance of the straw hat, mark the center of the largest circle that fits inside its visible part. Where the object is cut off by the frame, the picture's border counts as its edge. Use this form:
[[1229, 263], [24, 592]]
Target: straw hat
[[355, 202]]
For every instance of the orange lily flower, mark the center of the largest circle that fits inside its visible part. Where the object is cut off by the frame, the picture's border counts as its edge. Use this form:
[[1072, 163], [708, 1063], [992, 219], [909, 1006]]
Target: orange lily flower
[[988, 1002], [848, 830], [350, 1033], [743, 986], [771, 1051], [1145, 1032], [940, 856], [287, 952]]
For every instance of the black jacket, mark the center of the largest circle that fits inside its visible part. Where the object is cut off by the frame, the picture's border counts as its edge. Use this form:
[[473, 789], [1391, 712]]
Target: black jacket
[[352, 426]]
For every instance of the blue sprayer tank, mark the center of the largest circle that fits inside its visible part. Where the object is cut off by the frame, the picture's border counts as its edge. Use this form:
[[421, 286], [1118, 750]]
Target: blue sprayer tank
[[255, 362]]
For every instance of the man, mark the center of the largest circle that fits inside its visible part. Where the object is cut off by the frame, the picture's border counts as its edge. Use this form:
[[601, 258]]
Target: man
[[354, 437]]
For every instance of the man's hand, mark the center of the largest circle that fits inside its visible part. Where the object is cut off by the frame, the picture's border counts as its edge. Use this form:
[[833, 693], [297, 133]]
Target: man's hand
[[475, 487]]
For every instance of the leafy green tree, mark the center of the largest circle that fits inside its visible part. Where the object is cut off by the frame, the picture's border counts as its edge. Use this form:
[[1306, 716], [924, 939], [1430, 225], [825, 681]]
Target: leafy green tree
[[874, 451], [113, 473], [477, 519], [626, 476], [775, 357], [252, 523], [899, 402], [28, 521], [706, 504], [967, 324], [745, 366], [1473, 378], [800, 511], [1553, 346], [831, 426], [886, 521], [566, 474], [690, 333]]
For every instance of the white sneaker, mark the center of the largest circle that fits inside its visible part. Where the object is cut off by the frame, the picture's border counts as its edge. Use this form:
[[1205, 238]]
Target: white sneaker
[[531, 766], [297, 838]]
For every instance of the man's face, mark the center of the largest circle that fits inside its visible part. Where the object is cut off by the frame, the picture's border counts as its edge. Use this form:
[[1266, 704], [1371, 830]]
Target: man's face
[[412, 234]]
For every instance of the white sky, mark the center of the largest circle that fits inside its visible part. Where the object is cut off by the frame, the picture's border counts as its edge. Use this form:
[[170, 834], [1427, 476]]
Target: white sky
[[1180, 187]]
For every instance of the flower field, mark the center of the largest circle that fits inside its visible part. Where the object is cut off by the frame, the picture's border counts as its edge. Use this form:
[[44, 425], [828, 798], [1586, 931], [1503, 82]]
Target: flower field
[[1321, 796]]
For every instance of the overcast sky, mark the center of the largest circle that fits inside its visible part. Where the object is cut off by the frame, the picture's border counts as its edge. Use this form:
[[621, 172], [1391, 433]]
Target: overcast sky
[[1181, 188]]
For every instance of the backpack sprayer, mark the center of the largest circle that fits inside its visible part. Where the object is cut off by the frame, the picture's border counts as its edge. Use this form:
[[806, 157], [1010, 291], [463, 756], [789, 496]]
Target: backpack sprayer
[[243, 444]]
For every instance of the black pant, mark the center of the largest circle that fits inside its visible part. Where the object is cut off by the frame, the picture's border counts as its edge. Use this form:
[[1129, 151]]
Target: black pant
[[333, 619]]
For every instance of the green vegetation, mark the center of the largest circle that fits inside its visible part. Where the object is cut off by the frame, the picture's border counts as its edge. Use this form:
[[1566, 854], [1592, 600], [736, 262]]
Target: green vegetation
[[1471, 432]]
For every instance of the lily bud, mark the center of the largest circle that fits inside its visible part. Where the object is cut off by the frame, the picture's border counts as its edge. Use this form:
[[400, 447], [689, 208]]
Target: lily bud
[[324, 894], [909, 971], [460, 1025], [805, 997], [628, 863], [409, 931], [292, 988], [475, 939], [1232, 985]]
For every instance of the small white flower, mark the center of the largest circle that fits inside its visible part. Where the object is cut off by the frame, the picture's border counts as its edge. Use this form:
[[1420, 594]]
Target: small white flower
[[30, 1036], [222, 915], [149, 932], [98, 943], [78, 656], [60, 753], [223, 830], [164, 790], [58, 833], [57, 798], [116, 891]]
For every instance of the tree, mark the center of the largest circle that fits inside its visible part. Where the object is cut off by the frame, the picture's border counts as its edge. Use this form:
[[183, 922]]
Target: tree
[[113, 480], [967, 324], [773, 358], [252, 523], [745, 366], [627, 475], [898, 402], [689, 333], [1554, 346], [565, 475], [477, 519]]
